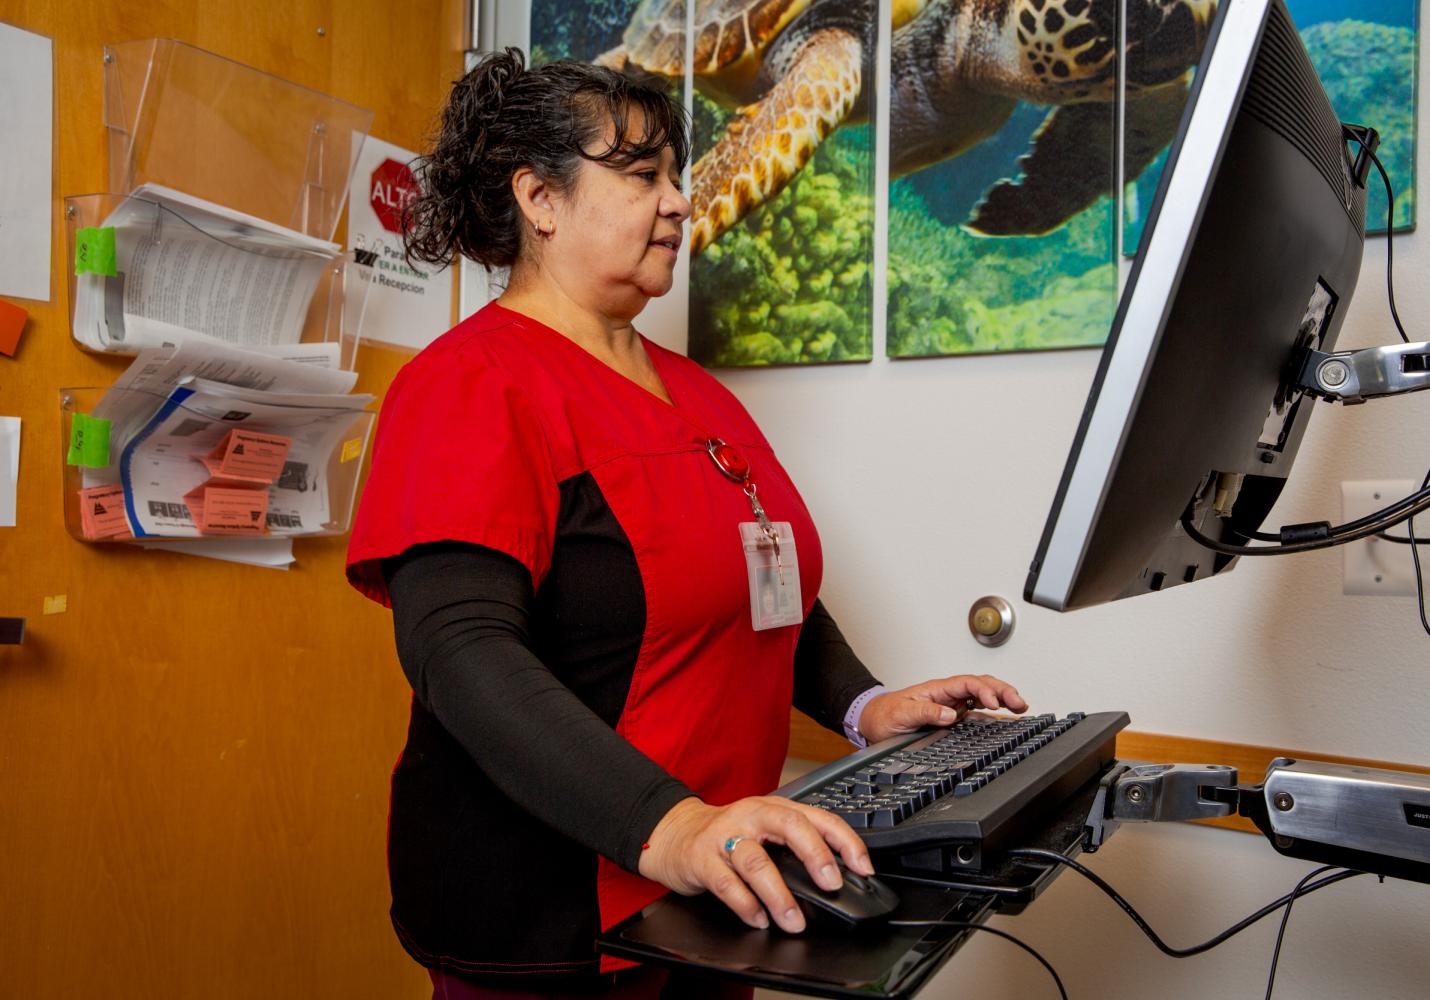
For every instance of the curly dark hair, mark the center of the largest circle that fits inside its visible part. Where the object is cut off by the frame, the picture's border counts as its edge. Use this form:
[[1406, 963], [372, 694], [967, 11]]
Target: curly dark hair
[[503, 116]]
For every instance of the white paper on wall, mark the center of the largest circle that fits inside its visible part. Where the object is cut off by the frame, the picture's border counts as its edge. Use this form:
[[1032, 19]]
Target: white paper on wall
[[9, 469], [26, 162]]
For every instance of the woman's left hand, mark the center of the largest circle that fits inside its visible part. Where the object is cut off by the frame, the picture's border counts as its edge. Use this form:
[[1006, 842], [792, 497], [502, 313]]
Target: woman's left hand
[[935, 703]]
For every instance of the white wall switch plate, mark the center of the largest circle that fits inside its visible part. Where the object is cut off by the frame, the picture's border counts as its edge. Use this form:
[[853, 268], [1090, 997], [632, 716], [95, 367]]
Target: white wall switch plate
[[1372, 566]]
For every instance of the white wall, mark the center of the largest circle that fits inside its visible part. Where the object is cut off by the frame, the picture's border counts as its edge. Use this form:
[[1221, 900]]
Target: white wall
[[930, 481]]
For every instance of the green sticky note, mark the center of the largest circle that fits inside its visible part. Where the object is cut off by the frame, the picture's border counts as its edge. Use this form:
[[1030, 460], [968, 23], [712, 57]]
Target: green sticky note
[[94, 251], [89, 442]]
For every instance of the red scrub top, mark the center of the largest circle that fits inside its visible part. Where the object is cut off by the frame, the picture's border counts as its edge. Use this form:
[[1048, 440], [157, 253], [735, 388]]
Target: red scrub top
[[474, 437]]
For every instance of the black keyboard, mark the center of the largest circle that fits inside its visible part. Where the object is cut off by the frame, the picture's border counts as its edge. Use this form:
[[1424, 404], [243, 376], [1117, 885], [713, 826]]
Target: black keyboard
[[944, 802]]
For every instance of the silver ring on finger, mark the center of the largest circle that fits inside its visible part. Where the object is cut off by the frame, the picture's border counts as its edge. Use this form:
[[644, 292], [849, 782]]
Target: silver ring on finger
[[730, 845]]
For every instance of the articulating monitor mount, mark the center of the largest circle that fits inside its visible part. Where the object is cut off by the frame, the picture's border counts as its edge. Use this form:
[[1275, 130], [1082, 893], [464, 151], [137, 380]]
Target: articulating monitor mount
[[1368, 819], [1356, 376]]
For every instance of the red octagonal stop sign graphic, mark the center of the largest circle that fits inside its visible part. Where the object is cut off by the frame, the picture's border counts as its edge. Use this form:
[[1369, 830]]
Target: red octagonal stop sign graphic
[[393, 186]]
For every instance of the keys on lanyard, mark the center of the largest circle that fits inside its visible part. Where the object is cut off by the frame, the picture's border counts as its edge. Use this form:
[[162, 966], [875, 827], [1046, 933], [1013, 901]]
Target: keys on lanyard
[[734, 467]]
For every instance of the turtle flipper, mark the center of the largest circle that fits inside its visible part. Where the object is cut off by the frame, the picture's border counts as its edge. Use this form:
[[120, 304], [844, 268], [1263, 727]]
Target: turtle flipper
[[1153, 117], [770, 141], [1070, 164]]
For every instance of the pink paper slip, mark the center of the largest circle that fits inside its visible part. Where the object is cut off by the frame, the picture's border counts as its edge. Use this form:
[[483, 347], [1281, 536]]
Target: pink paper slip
[[101, 511], [248, 457], [219, 510]]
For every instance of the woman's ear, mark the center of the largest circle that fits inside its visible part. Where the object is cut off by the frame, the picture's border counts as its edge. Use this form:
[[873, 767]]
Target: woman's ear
[[533, 197]]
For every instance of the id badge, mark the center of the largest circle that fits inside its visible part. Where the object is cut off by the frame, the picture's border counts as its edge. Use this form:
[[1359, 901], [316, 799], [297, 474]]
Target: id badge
[[773, 569]]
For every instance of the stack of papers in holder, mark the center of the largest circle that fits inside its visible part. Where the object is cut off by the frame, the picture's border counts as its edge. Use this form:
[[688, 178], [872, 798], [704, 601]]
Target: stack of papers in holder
[[175, 408], [165, 267]]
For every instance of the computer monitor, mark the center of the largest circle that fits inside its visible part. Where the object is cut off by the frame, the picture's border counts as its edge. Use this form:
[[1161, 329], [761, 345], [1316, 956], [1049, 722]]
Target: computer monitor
[[1252, 253]]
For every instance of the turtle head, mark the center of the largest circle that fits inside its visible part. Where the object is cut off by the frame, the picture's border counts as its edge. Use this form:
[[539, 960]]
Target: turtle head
[[1068, 49], [1165, 38]]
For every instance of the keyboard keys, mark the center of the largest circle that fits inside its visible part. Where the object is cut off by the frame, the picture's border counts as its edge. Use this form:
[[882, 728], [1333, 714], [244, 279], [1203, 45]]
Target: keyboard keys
[[857, 818], [886, 775], [953, 762], [918, 796], [959, 769]]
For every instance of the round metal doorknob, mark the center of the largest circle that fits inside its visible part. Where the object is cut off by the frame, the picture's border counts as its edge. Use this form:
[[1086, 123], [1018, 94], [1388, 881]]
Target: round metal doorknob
[[991, 620]]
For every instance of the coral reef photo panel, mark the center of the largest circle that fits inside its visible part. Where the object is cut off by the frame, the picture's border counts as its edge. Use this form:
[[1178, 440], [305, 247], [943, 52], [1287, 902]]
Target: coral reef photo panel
[[782, 183]]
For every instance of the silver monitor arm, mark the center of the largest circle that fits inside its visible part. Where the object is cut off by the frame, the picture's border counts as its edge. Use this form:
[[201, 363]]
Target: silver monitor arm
[[1356, 376], [1369, 819]]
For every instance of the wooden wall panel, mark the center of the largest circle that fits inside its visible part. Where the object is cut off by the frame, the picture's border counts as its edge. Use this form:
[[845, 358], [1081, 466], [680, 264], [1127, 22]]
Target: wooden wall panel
[[194, 756]]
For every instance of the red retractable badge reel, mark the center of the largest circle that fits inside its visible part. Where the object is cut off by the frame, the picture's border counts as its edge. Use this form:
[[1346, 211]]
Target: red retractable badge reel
[[729, 461]]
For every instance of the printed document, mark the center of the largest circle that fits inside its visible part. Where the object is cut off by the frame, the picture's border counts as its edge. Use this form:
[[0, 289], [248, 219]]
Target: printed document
[[272, 553], [185, 268], [146, 384]]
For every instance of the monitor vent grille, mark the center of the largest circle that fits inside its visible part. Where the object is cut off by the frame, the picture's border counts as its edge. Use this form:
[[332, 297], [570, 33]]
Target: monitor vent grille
[[1285, 95]]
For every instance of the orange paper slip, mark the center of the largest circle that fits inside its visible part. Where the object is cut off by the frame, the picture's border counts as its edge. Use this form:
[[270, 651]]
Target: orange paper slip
[[247, 456], [12, 324], [218, 510], [101, 511]]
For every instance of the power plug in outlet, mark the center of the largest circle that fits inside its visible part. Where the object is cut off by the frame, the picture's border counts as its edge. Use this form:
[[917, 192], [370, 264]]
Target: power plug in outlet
[[1373, 566]]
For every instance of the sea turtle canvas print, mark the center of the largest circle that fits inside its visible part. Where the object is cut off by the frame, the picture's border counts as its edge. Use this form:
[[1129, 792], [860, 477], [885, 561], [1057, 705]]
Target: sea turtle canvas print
[[1366, 52], [1002, 120], [1001, 207]]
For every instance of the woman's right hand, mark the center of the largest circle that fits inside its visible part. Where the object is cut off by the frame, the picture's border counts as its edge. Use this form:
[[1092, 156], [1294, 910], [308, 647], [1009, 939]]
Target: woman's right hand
[[686, 854]]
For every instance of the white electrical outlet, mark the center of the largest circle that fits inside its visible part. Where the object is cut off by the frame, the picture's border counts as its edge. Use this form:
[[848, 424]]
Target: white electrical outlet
[[1373, 566]]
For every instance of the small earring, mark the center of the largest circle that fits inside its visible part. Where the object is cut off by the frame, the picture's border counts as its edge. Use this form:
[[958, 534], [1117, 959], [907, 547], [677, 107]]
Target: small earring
[[543, 233]]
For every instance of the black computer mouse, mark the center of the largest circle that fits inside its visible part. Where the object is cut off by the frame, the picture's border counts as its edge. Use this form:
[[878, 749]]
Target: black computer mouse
[[862, 899]]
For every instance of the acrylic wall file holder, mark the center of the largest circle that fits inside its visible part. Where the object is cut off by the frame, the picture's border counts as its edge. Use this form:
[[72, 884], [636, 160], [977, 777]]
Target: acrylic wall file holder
[[199, 123], [211, 255], [148, 483], [158, 267], [226, 185]]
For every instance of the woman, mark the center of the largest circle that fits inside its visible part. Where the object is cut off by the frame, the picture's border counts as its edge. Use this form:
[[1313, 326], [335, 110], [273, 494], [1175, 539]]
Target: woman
[[575, 530]]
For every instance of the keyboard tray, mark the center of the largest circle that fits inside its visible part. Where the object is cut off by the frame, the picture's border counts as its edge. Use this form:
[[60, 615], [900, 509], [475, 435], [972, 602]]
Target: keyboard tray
[[892, 962], [883, 962]]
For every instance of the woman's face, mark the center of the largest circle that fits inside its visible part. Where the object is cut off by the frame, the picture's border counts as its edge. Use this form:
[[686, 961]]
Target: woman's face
[[618, 232]]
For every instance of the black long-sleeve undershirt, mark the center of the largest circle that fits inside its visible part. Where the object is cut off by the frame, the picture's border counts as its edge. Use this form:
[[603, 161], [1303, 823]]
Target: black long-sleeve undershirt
[[462, 616], [827, 674]]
